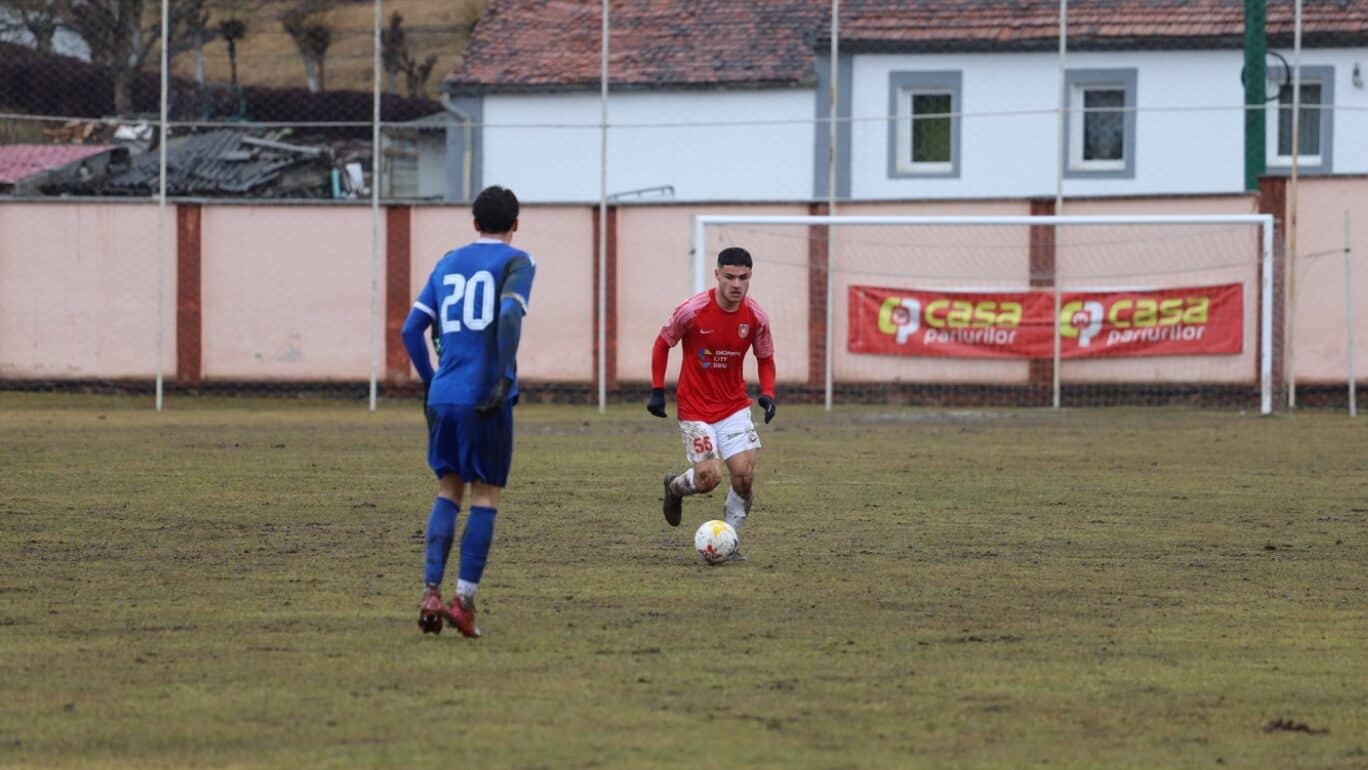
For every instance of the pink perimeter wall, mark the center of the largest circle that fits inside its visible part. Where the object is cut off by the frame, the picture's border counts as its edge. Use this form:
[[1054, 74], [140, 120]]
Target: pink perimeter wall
[[78, 291], [287, 292], [1319, 351], [558, 330]]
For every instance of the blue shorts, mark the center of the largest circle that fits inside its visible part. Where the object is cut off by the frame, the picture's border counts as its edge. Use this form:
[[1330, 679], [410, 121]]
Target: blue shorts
[[473, 447]]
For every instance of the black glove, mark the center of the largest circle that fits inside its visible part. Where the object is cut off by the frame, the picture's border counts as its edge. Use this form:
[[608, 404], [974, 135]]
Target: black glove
[[656, 404], [494, 401], [767, 403]]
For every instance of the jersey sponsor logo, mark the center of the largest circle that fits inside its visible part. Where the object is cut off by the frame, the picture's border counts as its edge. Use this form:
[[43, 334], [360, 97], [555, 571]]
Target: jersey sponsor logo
[[712, 358], [706, 331]]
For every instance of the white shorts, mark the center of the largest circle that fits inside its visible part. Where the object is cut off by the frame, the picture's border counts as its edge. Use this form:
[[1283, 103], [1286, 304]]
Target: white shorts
[[724, 438]]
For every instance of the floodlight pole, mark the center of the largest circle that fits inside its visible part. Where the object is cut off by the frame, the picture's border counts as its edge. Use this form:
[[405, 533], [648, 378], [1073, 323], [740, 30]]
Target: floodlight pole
[[376, 162], [161, 204], [602, 330]]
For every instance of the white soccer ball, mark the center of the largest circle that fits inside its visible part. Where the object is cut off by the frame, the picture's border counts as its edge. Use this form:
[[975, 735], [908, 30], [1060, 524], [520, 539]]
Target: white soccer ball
[[715, 541]]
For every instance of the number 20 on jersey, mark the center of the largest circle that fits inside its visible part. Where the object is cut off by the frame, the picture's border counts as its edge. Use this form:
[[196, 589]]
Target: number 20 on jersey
[[475, 295]]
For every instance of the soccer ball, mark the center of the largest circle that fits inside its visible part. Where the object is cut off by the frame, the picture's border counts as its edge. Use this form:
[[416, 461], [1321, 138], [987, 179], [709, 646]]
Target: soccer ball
[[715, 541]]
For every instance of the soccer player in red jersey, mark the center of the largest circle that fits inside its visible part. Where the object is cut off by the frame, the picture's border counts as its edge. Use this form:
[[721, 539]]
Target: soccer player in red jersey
[[716, 327]]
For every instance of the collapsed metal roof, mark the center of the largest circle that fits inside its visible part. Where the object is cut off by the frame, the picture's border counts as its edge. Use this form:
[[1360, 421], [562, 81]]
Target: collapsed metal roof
[[228, 161]]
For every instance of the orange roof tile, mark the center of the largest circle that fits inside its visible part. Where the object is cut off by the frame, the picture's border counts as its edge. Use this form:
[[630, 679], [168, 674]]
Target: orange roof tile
[[554, 44]]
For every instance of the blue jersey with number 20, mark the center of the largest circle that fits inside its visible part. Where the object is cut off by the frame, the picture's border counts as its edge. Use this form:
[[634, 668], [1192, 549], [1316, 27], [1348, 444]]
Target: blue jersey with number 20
[[462, 296]]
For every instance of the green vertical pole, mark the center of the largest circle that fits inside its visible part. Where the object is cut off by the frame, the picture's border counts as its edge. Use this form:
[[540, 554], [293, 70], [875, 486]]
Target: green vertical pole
[[1255, 75]]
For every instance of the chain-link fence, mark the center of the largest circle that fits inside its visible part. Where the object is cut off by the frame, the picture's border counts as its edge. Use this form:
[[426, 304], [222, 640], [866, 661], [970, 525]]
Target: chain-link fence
[[265, 100], [337, 105]]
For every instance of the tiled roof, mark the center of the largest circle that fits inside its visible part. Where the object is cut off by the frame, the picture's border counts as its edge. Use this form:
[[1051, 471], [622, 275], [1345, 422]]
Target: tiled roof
[[554, 44], [1092, 24], [548, 43], [20, 161]]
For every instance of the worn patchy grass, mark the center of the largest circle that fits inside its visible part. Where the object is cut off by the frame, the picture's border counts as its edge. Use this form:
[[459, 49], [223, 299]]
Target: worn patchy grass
[[232, 583]]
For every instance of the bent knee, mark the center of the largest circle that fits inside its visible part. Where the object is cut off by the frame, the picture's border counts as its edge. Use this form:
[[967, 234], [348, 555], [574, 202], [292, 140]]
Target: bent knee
[[741, 482], [706, 478]]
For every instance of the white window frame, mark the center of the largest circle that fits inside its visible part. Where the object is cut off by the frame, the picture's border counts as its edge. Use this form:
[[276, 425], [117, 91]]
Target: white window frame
[[903, 86], [1078, 121], [1323, 76], [1078, 83], [907, 126]]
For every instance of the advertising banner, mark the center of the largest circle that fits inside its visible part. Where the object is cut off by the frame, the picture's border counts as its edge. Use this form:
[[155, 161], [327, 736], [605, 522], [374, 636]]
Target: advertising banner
[[1197, 320]]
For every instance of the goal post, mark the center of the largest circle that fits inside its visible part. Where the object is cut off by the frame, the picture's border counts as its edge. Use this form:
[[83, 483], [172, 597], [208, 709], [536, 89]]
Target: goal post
[[1104, 308]]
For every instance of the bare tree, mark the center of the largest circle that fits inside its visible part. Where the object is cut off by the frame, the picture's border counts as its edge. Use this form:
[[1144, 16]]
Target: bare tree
[[393, 49], [198, 33], [232, 30], [122, 34], [416, 75], [231, 25], [396, 57], [39, 18], [308, 25]]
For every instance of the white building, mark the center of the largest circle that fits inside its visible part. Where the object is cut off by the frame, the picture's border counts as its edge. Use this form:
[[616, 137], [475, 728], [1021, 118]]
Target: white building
[[955, 99]]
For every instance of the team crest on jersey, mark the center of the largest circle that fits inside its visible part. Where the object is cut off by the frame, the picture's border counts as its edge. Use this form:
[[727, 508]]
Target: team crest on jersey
[[743, 330]]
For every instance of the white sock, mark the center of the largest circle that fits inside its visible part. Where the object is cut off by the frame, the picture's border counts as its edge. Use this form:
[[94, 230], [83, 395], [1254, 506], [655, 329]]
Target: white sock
[[736, 508], [683, 484], [466, 590]]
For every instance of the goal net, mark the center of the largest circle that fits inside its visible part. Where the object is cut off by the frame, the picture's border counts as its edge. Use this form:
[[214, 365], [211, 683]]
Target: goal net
[[1013, 310]]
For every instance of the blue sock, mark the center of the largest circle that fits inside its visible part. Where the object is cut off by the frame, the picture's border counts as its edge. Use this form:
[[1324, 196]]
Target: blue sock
[[479, 533], [441, 530]]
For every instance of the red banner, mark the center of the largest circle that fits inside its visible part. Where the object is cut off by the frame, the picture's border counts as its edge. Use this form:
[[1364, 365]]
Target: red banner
[[1160, 322]]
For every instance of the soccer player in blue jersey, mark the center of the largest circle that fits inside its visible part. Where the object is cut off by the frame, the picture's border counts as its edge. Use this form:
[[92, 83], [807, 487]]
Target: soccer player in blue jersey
[[476, 297]]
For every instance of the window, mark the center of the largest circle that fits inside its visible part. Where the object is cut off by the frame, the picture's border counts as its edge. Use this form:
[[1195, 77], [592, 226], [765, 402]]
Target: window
[[1314, 129], [1308, 132], [931, 128], [1100, 140], [924, 133]]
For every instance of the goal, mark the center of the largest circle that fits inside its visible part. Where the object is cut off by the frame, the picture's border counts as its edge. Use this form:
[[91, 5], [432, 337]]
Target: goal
[[1014, 310]]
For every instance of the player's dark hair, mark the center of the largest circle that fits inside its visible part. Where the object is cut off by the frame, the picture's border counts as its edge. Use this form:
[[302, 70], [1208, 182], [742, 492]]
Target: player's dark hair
[[495, 209], [734, 255]]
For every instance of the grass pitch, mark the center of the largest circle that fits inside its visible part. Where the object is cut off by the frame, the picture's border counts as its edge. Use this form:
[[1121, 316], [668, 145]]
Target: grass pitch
[[233, 583]]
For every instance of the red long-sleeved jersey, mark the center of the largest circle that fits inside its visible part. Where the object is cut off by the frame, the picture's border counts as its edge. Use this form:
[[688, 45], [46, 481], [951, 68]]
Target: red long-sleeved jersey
[[711, 383]]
